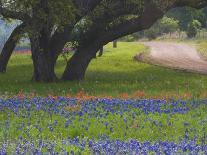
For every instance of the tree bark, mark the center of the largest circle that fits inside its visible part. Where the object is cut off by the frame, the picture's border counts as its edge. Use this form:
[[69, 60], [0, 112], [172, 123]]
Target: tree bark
[[43, 61], [101, 51], [9, 47], [115, 44], [77, 65], [44, 68]]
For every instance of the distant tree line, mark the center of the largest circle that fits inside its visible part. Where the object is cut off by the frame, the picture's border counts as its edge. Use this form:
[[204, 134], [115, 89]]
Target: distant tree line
[[186, 19]]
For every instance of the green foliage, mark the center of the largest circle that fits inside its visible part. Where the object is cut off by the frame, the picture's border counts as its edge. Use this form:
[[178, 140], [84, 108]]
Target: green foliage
[[152, 33], [54, 12], [165, 25], [193, 28], [176, 19], [168, 25], [186, 14]]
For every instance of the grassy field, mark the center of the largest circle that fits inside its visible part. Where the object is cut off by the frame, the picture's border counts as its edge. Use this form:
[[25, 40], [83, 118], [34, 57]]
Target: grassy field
[[112, 74], [104, 125], [202, 48]]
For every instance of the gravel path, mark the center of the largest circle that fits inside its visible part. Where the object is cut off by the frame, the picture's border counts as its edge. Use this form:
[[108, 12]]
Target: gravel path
[[176, 55]]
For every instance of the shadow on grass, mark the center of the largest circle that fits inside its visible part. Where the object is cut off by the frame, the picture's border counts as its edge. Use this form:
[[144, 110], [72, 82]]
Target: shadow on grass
[[151, 79]]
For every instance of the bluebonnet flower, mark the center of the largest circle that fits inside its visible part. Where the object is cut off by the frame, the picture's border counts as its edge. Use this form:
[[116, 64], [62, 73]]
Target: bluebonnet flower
[[32, 111]]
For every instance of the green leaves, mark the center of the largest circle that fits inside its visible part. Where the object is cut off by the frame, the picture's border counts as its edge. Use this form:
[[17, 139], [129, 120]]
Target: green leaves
[[58, 12]]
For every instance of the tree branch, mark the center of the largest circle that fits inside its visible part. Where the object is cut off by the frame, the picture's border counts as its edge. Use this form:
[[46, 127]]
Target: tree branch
[[149, 16], [84, 7], [10, 45]]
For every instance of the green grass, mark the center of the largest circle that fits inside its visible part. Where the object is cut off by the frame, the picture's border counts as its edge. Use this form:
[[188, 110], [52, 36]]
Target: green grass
[[138, 125], [143, 127], [114, 73], [202, 48]]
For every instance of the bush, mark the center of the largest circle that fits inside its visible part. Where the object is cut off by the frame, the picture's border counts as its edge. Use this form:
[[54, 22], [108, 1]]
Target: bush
[[165, 25], [168, 25], [152, 33], [193, 28]]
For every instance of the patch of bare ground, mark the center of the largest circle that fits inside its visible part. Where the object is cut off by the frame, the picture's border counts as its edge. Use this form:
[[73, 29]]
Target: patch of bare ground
[[179, 56]]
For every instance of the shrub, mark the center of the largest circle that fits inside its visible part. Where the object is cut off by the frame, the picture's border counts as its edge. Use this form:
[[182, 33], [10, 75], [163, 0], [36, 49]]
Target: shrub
[[152, 33], [193, 28], [168, 25]]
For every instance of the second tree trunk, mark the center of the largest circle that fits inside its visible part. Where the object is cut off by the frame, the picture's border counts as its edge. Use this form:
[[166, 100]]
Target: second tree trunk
[[77, 65]]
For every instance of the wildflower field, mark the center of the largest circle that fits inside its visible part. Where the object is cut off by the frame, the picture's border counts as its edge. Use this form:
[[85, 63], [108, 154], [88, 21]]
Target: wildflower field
[[102, 126], [122, 107]]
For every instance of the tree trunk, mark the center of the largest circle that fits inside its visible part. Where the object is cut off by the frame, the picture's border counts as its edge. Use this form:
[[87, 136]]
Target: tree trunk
[[101, 51], [115, 44], [44, 68], [43, 62], [77, 65], [9, 47]]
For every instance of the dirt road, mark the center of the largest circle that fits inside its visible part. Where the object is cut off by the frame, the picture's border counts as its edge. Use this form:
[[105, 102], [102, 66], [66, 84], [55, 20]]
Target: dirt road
[[176, 55]]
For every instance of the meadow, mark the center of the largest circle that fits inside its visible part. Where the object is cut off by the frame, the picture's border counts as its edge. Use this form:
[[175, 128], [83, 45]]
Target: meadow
[[102, 126], [122, 107], [113, 74], [202, 48]]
